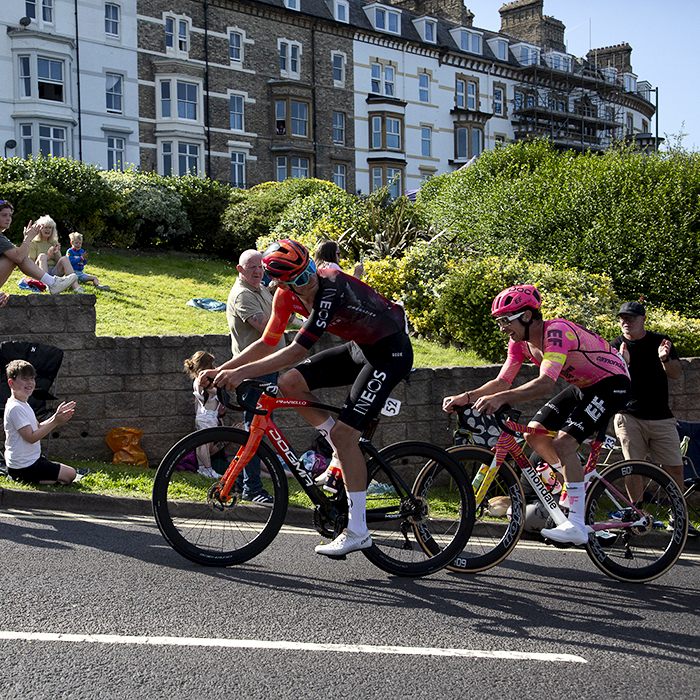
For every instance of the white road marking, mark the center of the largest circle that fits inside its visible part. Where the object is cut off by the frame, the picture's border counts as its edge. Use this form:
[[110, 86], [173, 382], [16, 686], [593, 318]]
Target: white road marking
[[287, 646]]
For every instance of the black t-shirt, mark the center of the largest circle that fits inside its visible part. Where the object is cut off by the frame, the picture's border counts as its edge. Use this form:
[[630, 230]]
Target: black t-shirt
[[649, 381]]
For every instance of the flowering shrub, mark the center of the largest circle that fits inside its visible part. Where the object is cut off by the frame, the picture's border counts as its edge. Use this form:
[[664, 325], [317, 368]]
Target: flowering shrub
[[150, 211]]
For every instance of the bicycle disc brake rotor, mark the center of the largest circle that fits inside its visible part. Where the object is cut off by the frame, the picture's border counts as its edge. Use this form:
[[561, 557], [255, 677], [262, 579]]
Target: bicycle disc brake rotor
[[646, 528], [214, 498]]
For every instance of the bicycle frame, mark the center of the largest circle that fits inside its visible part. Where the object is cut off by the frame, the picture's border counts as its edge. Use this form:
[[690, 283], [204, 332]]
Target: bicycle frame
[[262, 424], [507, 445]]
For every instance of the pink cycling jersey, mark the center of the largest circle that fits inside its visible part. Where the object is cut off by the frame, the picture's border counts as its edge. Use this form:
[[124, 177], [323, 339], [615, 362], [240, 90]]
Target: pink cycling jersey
[[579, 356]]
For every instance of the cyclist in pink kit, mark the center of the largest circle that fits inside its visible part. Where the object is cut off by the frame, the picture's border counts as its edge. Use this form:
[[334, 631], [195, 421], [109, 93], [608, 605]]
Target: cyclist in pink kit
[[599, 387]]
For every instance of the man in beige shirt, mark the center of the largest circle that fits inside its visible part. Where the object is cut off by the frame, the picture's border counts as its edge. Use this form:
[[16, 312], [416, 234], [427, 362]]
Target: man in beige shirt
[[248, 310]]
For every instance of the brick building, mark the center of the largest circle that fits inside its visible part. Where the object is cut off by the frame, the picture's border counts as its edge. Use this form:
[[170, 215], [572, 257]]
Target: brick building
[[361, 92]]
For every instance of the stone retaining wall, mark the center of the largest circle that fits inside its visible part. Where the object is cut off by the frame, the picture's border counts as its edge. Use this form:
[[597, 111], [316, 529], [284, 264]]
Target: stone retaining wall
[[138, 382]]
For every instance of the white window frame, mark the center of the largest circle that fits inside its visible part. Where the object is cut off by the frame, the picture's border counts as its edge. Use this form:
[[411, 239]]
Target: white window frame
[[50, 80], [426, 141], [115, 145], [281, 168], [232, 48], [53, 139], [235, 96], [239, 162], [460, 93], [26, 135], [468, 40], [339, 128], [24, 70], [113, 93], [179, 42], [472, 95], [30, 9], [290, 58], [112, 21], [384, 19], [293, 5], [47, 8], [383, 79], [498, 102], [340, 175], [173, 82], [341, 11], [424, 88], [185, 101], [339, 61], [175, 145]]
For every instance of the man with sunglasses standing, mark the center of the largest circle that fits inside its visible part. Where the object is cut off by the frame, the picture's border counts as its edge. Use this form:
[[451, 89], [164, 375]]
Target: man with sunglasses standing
[[599, 387], [377, 356]]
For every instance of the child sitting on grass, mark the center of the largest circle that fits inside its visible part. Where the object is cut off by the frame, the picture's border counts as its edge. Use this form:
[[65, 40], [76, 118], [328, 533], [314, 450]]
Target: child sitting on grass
[[77, 257], [207, 408], [23, 433]]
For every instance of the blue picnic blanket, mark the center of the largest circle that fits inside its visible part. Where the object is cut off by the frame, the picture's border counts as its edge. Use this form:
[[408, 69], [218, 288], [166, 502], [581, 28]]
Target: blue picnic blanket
[[207, 304]]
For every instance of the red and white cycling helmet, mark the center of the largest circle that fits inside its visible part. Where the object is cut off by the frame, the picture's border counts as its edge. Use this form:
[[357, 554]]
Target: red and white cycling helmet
[[515, 299], [285, 260]]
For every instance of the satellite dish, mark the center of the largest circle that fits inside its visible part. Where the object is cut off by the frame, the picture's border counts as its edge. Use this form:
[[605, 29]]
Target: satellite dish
[[11, 144], [25, 21]]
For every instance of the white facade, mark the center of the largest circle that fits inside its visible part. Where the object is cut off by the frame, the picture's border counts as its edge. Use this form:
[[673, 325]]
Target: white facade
[[421, 111], [43, 106]]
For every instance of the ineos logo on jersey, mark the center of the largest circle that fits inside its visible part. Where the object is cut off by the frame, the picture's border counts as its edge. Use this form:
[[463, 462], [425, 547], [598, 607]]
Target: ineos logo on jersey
[[324, 307], [372, 388]]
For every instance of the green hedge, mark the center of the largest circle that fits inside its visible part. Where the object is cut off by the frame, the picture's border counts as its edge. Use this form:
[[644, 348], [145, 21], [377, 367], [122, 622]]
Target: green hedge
[[632, 217]]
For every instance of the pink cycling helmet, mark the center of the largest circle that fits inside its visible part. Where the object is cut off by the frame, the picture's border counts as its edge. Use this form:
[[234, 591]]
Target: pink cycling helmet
[[515, 299]]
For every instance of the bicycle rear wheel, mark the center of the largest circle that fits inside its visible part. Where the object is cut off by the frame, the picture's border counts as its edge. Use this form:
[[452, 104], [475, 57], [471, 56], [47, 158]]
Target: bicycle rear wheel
[[196, 523], [500, 516], [642, 553], [420, 509]]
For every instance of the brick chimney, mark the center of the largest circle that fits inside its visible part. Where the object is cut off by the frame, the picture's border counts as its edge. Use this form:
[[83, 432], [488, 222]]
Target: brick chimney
[[523, 19], [618, 56], [451, 11]]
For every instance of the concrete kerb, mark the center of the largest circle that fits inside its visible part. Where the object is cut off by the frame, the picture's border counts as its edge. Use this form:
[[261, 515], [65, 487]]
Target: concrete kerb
[[94, 504]]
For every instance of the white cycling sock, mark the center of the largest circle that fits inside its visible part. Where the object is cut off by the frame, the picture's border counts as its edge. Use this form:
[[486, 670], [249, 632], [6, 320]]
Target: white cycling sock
[[325, 430], [576, 492], [557, 467], [48, 280], [357, 512]]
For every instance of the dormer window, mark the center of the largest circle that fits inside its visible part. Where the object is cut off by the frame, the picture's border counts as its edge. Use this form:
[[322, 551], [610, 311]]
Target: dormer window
[[468, 40], [341, 10], [292, 4], [384, 19], [558, 61], [499, 47], [527, 55], [630, 82], [426, 28]]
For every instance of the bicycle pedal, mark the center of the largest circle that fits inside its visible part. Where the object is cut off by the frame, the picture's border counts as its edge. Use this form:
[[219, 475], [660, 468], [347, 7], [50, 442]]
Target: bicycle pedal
[[337, 557]]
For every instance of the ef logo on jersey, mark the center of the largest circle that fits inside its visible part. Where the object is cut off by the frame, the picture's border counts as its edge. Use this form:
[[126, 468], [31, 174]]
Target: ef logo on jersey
[[554, 337]]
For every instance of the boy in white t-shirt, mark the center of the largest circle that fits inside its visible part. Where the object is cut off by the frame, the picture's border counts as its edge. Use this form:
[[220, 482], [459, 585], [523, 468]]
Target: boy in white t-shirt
[[23, 433]]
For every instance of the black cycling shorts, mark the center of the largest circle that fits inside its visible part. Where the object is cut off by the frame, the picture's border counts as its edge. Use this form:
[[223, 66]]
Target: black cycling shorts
[[582, 412], [373, 370]]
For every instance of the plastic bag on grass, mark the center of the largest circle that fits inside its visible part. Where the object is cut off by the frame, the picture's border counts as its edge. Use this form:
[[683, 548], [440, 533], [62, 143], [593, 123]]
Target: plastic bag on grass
[[124, 442]]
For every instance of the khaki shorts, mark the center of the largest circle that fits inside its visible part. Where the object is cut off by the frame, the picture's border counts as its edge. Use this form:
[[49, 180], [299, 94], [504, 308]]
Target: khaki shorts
[[656, 440]]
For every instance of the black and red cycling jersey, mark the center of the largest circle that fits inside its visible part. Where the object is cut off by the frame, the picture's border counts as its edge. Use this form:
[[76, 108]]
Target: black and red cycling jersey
[[343, 306]]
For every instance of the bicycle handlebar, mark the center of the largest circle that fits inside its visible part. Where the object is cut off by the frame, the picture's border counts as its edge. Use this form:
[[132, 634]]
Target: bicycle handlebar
[[267, 387]]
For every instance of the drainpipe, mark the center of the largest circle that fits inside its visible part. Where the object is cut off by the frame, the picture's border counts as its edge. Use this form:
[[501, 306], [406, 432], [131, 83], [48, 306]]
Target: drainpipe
[[313, 95], [206, 84], [77, 69]]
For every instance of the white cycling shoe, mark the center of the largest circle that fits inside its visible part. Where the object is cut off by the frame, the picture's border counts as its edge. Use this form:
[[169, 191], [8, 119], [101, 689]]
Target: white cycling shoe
[[566, 533], [345, 543]]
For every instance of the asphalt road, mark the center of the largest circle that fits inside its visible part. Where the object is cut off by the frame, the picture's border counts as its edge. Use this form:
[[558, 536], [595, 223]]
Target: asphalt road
[[101, 607]]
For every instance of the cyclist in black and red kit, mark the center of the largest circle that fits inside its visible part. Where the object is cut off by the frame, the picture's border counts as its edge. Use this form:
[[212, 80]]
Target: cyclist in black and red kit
[[376, 358]]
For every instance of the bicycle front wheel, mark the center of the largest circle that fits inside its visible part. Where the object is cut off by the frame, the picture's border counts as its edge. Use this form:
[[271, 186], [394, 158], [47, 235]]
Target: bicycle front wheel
[[500, 516], [636, 553], [196, 522], [420, 509]]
